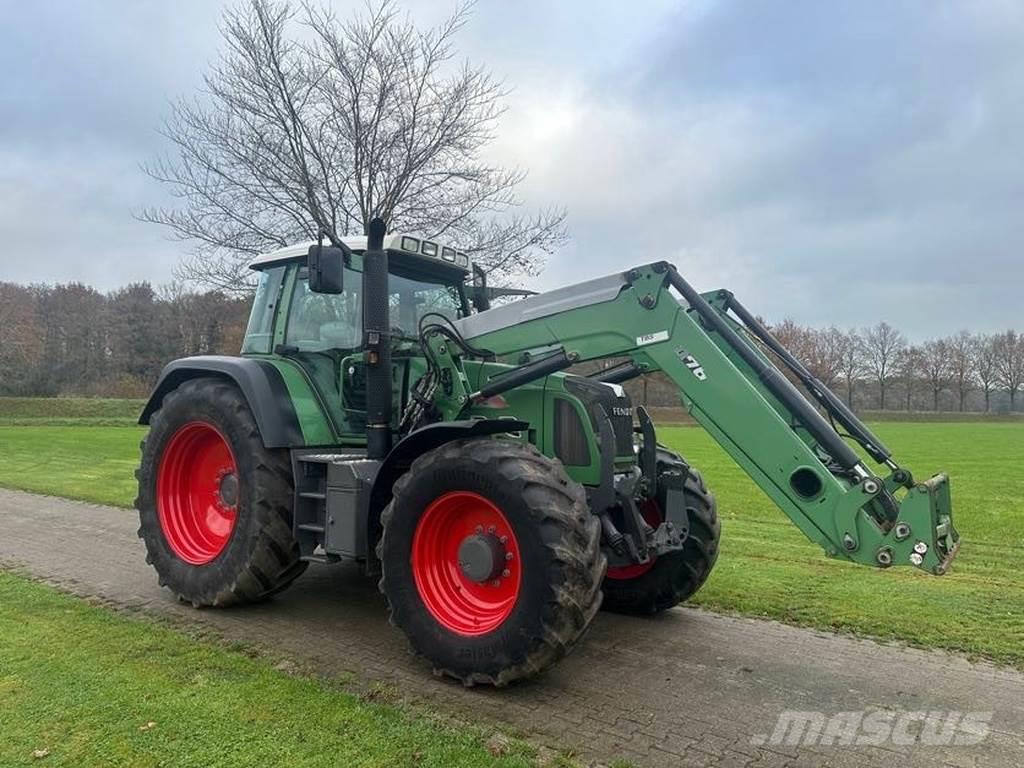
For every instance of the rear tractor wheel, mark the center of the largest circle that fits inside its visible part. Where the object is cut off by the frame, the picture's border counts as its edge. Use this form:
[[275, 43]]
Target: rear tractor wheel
[[215, 504], [670, 579], [491, 560]]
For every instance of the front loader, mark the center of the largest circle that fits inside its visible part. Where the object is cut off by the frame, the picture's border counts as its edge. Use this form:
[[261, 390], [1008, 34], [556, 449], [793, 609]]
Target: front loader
[[382, 411]]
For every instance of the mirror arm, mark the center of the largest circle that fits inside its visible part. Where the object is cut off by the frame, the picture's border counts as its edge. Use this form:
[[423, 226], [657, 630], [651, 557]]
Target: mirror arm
[[335, 242]]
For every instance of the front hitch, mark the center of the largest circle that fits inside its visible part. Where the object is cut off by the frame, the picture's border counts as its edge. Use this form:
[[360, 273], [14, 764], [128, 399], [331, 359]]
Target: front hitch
[[637, 543]]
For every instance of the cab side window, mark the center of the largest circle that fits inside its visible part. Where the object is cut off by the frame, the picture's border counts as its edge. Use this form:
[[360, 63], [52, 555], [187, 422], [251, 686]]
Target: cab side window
[[259, 334], [321, 321]]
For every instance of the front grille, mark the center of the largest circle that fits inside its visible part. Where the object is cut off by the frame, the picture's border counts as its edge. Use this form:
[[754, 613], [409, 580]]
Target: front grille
[[595, 395], [570, 437]]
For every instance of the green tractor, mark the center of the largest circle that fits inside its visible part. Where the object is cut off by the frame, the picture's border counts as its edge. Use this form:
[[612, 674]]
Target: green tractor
[[383, 412]]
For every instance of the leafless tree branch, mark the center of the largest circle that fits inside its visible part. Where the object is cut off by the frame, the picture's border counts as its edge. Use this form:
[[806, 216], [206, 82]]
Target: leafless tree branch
[[309, 121]]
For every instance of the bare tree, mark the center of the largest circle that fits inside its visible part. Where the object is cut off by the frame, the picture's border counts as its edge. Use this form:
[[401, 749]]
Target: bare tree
[[311, 122], [20, 342], [961, 361], [908, 366], [820, 350], [852, 366], [882, 344], [791, 335], [1009, 363], [796, 338], [983, 358], [825, 358], [938, 370]]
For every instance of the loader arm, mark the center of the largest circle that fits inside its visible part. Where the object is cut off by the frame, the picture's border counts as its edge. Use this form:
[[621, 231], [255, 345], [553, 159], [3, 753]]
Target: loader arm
[[733, 389]]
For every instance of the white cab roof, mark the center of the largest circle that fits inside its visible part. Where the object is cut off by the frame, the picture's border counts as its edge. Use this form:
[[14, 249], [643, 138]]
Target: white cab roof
[[399, 242]]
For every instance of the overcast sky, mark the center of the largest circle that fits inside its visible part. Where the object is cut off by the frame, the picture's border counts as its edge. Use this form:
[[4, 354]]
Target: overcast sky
[[833, 162]]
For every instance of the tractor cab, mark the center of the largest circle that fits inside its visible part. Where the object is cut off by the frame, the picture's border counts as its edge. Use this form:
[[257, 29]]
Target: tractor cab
[[322, 332], [424, 277]]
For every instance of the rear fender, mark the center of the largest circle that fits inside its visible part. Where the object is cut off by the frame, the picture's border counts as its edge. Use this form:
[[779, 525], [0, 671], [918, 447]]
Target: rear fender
[[259, 381]]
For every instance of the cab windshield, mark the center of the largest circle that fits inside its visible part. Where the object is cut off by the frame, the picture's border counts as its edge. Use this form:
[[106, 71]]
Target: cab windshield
[[413, 298], [319, 322]]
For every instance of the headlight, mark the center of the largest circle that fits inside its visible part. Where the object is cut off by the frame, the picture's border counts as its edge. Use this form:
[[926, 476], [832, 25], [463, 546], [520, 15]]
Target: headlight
[[429, 248], [462, 259], [448, 254], [410, 244]]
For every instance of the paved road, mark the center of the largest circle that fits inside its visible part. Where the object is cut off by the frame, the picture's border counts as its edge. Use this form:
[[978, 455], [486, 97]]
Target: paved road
[[686, 689]]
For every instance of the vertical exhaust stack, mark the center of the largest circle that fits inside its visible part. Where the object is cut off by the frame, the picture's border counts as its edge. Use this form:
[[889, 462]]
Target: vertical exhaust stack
[[377, 343]]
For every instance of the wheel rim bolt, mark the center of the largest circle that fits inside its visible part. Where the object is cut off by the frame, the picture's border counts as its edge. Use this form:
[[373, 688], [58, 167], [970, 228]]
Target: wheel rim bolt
[[508, 555], [506, 573]]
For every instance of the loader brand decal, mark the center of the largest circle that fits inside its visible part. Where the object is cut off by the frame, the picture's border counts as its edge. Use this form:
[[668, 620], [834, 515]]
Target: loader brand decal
[[618, 410], [651, 338], [691, 362]]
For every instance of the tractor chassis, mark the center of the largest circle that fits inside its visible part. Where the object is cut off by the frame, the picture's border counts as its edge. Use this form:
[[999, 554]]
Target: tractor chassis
[[337, 506]]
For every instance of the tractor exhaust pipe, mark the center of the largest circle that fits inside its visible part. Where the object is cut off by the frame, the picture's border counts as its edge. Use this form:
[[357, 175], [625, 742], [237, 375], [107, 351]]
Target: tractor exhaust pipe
[[377, 343]]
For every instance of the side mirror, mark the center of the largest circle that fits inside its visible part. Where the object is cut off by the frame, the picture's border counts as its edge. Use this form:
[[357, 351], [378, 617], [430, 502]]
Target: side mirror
[[481, 297], [326, 268]]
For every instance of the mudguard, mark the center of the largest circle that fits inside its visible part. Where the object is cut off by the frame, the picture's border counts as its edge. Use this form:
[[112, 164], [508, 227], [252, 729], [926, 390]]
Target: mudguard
[[259, 381], [416, 444]]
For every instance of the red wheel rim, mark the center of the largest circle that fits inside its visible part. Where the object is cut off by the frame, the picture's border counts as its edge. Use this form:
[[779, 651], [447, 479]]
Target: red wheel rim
[[651, 512], [197, 493], [459, 603]]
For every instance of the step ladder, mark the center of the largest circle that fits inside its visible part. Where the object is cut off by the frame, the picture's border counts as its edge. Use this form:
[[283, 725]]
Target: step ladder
[[317, 476]]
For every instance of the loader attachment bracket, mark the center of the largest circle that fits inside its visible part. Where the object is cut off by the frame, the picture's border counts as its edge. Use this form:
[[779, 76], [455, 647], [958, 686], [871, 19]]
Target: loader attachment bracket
[[923, 534]]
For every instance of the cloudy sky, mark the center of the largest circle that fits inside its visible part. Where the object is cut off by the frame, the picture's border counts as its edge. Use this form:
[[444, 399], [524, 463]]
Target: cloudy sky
[[833, 162]]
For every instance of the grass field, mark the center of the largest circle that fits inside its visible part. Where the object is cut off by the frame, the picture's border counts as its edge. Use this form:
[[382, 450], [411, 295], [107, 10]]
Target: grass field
[[80, 462], [68, 411], [82, 686], [766, 567]]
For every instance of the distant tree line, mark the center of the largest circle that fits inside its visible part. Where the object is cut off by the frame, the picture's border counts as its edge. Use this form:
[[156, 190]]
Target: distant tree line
[[73, 339], [877, 368]]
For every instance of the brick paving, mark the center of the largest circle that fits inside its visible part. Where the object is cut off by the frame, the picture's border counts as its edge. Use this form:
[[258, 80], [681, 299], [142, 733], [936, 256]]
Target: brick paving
[[688, 688]]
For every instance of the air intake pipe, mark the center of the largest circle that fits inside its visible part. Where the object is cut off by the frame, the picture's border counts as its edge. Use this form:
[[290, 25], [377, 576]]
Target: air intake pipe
[[377, 343]]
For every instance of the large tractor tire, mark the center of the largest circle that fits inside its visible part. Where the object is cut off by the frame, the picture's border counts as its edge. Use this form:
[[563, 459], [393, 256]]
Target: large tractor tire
[[670, 579], [215, 504], [491, 560]]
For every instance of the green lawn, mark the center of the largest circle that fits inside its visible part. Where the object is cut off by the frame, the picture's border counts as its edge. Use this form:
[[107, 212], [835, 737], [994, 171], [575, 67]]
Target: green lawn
[[82, 686], [80, 462], [766, 567], [69, 411]]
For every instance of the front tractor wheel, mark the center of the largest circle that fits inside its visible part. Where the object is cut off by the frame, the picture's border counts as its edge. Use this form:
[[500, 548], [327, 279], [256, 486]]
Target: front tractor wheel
[[491, 560], [215, 504]]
